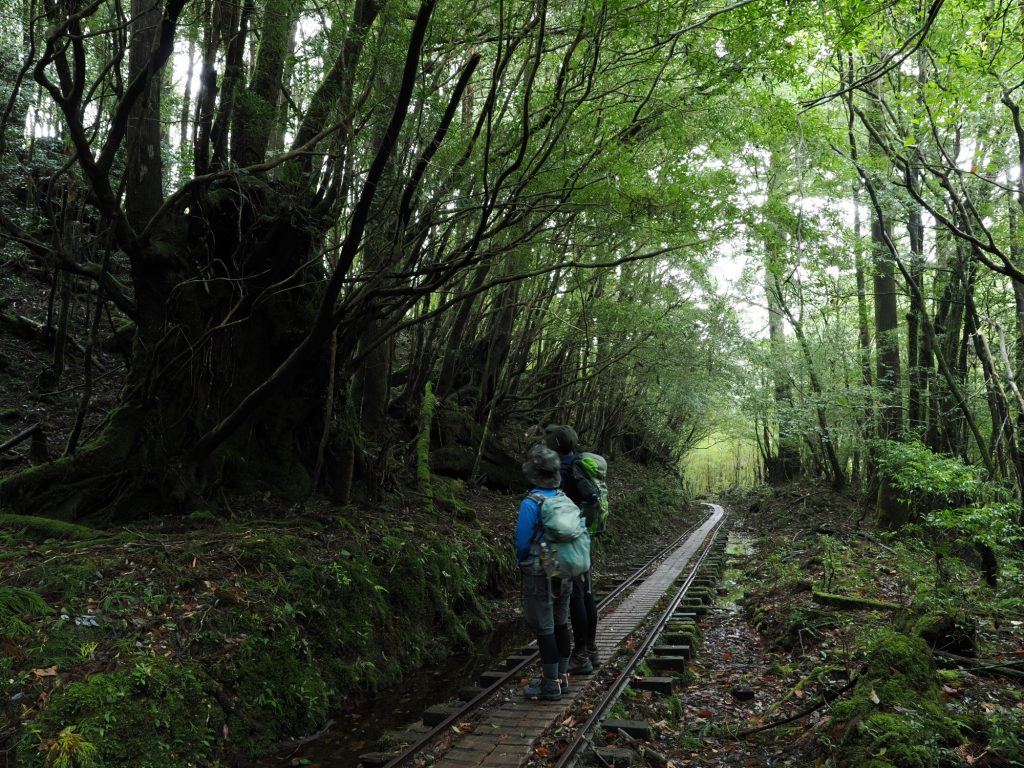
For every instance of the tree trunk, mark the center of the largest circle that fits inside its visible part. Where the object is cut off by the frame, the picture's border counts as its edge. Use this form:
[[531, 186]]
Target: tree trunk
[[257, 106], [887, 363], [917, 395], [785, 465], [144, 190]]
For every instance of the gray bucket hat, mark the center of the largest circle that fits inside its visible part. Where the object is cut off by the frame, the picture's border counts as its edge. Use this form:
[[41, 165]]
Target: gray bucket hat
[[561, 438], [541, 467]]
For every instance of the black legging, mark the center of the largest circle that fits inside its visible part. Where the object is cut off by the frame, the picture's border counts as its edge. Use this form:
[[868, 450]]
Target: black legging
[[555, 646], [583, 613]]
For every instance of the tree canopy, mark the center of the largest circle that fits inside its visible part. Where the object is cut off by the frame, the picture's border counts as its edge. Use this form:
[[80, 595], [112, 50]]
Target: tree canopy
[[303, 222]]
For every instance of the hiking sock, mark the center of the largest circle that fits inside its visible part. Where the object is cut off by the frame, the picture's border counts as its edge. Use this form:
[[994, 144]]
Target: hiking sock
[[563, 666], [551, 671]]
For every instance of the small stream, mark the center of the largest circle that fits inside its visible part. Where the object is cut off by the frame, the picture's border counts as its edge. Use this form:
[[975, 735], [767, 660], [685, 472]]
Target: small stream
[[738, 548], [357, 732]]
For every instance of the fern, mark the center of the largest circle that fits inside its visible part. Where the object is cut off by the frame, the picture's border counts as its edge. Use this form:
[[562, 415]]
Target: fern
[[16, 602], [70, 750]]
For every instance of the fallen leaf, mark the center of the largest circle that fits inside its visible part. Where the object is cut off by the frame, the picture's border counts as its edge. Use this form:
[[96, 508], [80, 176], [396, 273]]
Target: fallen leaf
[[47, 672], [543, 751]]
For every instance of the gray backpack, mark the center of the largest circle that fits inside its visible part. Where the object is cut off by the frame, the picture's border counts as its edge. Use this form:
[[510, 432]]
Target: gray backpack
[[564, 543]]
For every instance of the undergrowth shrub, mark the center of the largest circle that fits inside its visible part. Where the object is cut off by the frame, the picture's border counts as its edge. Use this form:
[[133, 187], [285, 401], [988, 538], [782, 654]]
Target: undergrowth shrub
[[151, 714], [959, 513]]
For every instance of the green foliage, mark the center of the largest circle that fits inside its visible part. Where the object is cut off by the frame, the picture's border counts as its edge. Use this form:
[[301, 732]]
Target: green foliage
[[279, 683], [994, 524], [151, 714], [1004, 729], [283, 626], [925, 477], [958, 508], [17, 603]]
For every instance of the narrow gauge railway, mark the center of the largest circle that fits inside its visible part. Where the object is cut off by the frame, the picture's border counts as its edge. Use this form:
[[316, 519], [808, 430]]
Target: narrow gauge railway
[[503, 726]]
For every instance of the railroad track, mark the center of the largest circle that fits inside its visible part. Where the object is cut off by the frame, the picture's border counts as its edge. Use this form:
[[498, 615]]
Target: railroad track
[[504, 726]]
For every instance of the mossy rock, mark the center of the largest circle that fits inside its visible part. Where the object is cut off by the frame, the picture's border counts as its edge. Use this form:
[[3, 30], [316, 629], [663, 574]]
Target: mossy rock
[[895, 715], [458, 461], [902, 665], [947, 632], [455, 439], [203, 518]]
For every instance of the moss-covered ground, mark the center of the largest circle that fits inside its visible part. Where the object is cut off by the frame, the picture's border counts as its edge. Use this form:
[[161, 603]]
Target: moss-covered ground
[[210, 641]]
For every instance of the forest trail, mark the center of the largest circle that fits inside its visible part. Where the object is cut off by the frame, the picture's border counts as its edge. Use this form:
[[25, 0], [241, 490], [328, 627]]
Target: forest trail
[[507, 729]]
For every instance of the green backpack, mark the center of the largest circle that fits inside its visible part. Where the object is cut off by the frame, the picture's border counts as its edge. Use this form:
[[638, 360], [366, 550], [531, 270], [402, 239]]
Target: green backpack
[[564, 543], [589, 471]]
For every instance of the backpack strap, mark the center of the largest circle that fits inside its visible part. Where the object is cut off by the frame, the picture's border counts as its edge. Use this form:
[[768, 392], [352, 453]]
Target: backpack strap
[[538, 499], [585, 485]]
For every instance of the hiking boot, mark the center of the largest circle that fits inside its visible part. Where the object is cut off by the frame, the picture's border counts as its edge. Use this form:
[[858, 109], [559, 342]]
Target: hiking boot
[[563, 682], [580, 664], [594, 655], [543, 688]]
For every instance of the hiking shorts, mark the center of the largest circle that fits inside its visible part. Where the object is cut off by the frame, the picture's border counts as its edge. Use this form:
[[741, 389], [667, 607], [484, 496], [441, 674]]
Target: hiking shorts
[[545, 602]]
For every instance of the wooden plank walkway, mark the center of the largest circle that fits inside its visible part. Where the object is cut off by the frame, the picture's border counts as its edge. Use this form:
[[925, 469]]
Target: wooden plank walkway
[[503, 737]]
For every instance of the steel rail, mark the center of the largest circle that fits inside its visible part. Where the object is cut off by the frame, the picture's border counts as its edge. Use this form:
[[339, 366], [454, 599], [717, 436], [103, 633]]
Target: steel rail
[[477, 701], [583, 734]]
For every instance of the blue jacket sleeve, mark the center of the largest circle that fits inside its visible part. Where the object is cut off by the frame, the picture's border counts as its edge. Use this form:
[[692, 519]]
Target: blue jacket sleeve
[[526, 527]]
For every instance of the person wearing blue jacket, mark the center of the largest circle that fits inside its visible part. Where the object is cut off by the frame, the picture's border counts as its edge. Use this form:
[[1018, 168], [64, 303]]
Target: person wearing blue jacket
[[545, 601], [582, 608]]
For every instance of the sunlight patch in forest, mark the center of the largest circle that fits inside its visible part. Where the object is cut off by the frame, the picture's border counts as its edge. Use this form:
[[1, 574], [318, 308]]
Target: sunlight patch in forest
[[720, 462]]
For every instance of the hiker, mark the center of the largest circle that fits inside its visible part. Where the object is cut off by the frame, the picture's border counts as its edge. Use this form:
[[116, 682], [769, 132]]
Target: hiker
[[545, 600], [585, 657]]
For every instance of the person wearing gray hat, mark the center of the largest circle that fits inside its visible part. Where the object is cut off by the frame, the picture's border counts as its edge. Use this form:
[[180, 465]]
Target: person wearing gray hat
[[582, 607], [545, 601]]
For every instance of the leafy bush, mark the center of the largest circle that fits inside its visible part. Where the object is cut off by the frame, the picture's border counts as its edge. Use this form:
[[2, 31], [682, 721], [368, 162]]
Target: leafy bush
[[955, 504], [928, 480]]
